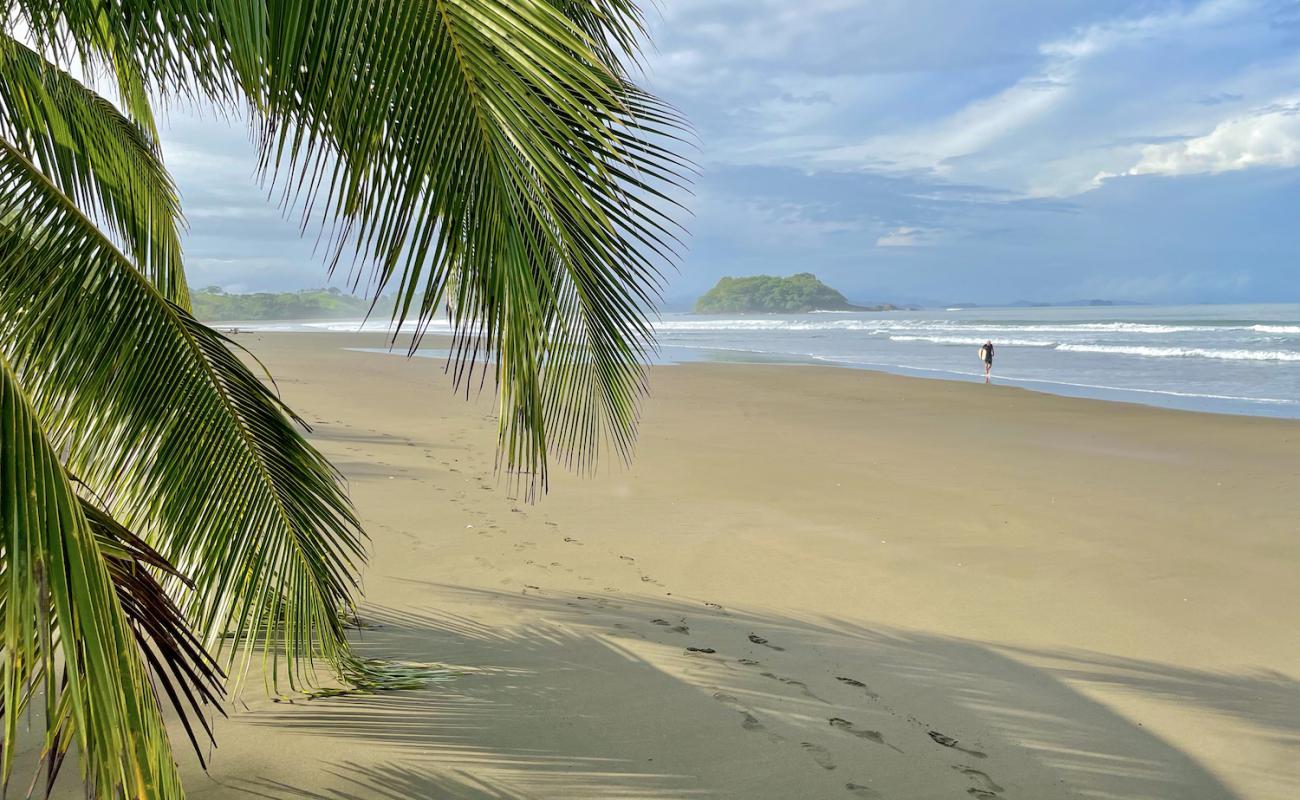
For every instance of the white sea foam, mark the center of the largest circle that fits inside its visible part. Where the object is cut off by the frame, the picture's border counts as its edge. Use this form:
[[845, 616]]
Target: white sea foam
[[259, 327], [768, 324], [378, 326], [1294, 329], [852, 362], [973, 340], [1180, 355], [847, 361], [827, 322], [1165, 392], [1101, 327], [1183, 352], [922, 325]]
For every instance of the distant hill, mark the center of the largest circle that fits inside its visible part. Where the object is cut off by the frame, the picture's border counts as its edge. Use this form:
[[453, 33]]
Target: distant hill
[[769, 294], [213, 304]]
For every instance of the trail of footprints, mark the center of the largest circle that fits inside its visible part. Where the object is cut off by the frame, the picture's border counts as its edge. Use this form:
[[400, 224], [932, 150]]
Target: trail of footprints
[[981, 785]]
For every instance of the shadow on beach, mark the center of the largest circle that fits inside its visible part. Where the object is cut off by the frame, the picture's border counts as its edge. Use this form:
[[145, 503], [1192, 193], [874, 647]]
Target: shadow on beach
[[573, 701]]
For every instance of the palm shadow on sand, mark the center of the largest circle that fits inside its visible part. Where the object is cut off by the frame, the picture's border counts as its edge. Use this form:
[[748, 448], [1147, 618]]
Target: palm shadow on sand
[[488, 733]]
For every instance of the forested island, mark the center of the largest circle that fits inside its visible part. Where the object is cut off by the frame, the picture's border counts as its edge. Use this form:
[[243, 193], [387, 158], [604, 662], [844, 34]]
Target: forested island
[[214, 304], [770, 294]]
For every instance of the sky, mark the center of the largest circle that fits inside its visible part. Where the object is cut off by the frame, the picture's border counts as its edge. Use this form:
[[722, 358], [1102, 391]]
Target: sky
[[925, 151]]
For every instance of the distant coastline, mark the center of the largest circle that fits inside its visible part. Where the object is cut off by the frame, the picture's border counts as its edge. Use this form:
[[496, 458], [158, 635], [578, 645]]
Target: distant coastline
[[213, 304]]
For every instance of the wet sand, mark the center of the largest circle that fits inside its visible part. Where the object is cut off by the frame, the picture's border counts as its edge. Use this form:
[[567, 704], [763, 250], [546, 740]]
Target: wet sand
[[811, 583]]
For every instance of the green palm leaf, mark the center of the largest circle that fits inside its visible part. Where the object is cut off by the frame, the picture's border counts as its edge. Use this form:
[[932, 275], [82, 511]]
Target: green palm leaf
[[615, 29], [527, 197], [486, 157], [178, 48], [492, 159], [64, 632], [108, 164], [178, 436], [177, 661]]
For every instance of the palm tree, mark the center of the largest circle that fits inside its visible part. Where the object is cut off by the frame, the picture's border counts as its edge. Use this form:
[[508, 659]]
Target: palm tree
[[165, 521]]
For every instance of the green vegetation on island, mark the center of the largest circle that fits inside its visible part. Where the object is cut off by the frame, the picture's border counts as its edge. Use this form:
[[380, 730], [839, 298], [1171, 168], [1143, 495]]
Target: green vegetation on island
[[212, 304], [770, 294]]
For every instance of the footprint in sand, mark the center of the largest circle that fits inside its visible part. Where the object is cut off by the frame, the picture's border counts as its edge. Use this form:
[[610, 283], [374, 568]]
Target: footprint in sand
[[948, 741], [599, 601], [803, 687], [674, 628], [839, 723], [705, 650], [984, 787], [819, 754], [747, 720], [749, 662], [756, 639], [627, 558], [858, 685], [858, 790], [628, 630], [571, 540]]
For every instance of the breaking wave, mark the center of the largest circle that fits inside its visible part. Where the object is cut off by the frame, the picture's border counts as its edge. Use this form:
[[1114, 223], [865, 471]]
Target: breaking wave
[[1183, 352], [973, 340]]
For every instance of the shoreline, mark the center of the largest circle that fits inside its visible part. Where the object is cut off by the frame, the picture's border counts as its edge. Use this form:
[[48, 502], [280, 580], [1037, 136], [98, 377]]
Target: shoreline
[[1240, 360], [1268, 408], [809, 583]]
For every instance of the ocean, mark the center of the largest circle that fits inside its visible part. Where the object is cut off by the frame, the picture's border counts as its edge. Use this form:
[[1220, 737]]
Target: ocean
[[1239, 359]]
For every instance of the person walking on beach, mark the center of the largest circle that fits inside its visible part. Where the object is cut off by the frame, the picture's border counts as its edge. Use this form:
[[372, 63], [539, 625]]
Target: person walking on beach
[[986, 355]]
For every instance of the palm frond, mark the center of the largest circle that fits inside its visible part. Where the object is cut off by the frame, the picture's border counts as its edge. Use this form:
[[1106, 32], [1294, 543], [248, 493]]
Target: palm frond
[[176, 434], [615, 29], [109, 165], [492, 160], [486, 156], [176, 659], [64, 632], [176, 48]]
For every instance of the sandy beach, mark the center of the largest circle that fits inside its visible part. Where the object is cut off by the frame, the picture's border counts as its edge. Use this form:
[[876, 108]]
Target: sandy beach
[[811, 583]]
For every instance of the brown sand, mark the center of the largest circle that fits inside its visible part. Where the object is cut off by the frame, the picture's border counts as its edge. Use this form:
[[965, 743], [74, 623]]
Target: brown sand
[[906, 589]]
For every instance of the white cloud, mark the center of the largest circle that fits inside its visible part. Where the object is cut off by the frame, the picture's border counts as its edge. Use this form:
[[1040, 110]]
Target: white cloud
[[1267, 138], [970, 130], [1028, 137], [905, 236], [1096, 39]]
